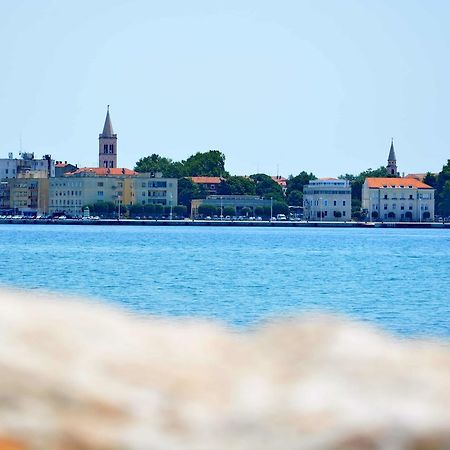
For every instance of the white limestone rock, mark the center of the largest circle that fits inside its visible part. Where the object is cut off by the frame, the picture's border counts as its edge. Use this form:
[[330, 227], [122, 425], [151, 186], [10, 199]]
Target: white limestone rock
[[81, 376]]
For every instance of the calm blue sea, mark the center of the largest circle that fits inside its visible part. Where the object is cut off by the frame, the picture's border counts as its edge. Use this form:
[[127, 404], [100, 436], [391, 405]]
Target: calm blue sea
[[398, 279]]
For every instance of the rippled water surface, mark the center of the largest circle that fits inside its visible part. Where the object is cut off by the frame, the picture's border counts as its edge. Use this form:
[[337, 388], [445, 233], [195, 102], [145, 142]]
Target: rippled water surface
[[396, 278]]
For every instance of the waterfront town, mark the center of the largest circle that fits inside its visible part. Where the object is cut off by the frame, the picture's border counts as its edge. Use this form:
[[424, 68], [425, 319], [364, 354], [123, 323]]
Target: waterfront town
[[200, 188]]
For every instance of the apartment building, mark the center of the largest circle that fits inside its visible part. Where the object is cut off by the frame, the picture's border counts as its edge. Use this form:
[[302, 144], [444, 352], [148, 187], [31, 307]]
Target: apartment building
[[15, 167], [86, 186]]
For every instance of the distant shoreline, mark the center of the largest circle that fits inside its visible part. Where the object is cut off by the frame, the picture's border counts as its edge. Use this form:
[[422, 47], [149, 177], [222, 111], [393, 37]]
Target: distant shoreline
[[227, 223]]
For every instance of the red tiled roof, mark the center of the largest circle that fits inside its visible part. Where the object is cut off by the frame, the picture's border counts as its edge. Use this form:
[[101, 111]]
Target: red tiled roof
[[375, 183], [280, 180], [328, 179], [102, 171], [418, 176], [206, 180]]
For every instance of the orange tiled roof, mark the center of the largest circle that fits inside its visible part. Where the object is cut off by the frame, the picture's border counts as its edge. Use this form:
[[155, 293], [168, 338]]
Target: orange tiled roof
[[206, 180], [102, 171], [375, 183], [280, 180]]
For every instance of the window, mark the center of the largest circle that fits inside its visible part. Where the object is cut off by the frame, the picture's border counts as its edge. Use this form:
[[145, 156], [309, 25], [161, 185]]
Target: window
[[343, 203], [334, 203], [385, 206], [402, 207], [410, 196], [105, 148], [385, 196], [100, 193], [111, 164], [343, 213], [325, 203], [111, 148]]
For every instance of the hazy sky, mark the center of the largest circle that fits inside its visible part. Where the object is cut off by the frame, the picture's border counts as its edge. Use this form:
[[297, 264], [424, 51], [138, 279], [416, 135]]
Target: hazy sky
[[315, 85]]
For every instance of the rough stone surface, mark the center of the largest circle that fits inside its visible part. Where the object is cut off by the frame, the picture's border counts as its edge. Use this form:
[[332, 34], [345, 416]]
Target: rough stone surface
[[78, 376]]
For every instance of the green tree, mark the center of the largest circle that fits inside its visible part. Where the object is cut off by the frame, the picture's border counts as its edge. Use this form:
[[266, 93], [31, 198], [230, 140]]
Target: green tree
[[267, 188], [211, 163], [431, 179], [103, 209], [259, 211], [442, 191], [296, 183], [136, 210], [180, 211], [444, 200], [295, 198], [280, 208], [357, 181], [187, 191], [157, 163], [237, 185], [207, 210], [229, 211]]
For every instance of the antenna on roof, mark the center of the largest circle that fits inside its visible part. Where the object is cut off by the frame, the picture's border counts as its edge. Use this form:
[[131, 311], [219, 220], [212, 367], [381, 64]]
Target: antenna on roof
[[278, 167]]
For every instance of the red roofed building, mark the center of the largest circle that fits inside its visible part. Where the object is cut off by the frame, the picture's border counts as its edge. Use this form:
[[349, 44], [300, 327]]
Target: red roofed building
[[209, 184], [101, 172], [397, 199], [281, 181], [64, 167]]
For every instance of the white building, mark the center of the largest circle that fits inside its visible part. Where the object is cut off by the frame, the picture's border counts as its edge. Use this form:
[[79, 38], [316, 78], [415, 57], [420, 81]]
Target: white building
[[327, 199], [17, 167], [397, 199]]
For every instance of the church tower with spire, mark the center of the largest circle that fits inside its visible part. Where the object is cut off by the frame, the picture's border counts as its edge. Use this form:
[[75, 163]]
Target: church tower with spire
[[392, 161], [107, 145]]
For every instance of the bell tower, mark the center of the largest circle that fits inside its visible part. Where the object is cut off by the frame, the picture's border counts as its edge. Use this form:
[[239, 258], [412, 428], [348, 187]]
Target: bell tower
[[107, 145], [392, 161]]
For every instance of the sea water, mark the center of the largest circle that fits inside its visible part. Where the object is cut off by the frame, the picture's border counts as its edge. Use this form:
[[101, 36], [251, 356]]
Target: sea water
[[398, 279]]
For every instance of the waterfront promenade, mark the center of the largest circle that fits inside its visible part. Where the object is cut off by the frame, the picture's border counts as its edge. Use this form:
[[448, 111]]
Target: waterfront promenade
[[227, 223]]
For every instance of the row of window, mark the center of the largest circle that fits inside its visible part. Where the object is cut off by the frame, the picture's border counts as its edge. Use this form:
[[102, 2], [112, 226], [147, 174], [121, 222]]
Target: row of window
[[155, 184], [154, 194], [325, 203], [326, 192], [63, 193], [325, 213], [68, 184], [63, 202]]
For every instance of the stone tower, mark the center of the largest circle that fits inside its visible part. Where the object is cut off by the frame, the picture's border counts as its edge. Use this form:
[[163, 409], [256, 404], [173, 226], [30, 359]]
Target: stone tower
[[107, 145], [392, 161]]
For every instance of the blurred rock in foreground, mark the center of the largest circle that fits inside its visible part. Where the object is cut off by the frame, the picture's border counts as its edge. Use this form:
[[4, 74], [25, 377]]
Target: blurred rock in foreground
[[79, 376]]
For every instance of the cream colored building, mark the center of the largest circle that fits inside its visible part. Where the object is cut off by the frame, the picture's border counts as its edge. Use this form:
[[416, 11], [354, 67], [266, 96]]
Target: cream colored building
[[86, 186], [327, 199], [397, 199], [28, 196]]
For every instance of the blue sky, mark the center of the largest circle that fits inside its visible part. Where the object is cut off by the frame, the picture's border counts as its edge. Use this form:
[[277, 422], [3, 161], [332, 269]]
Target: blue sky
[[320, 86]]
